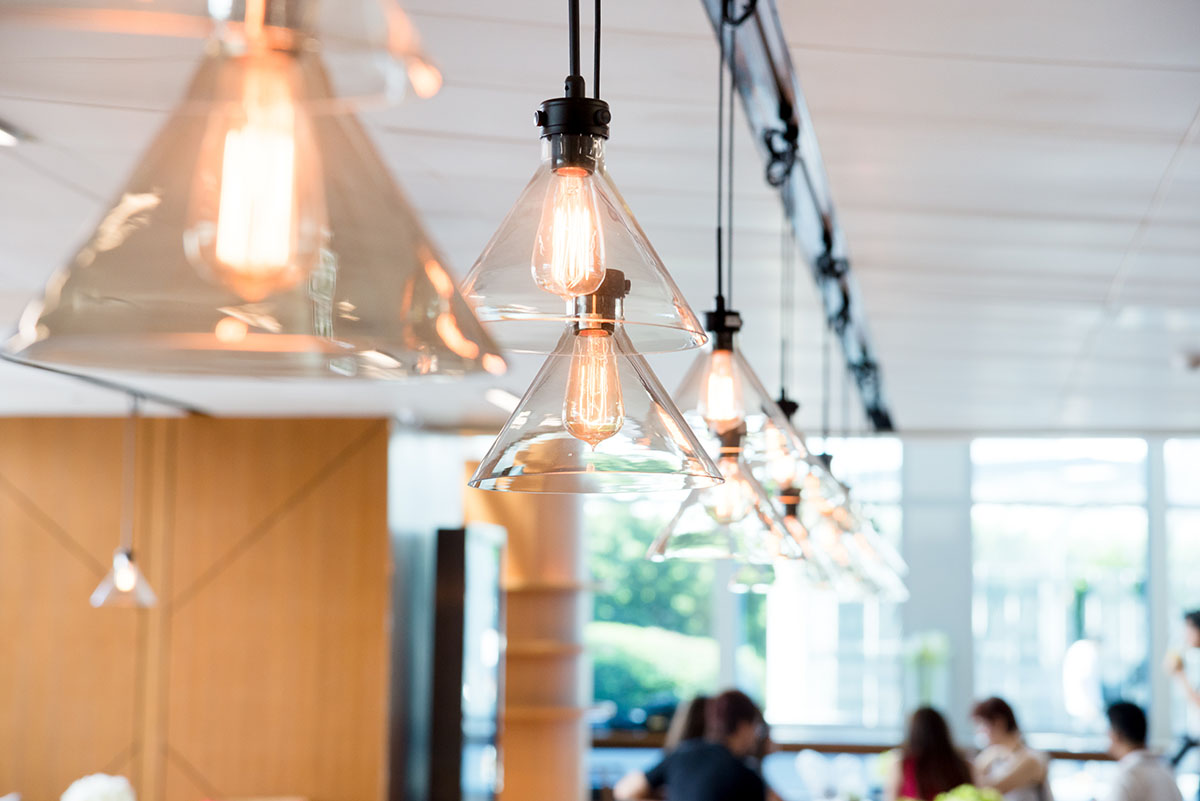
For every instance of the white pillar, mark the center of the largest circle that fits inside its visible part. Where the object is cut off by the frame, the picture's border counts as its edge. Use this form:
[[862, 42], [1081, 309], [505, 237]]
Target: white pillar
[[1158, 603], [937, 545]]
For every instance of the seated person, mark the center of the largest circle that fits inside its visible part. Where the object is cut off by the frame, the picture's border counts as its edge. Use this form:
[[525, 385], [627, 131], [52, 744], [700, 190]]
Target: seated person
[[1008, 765], [712, 769], [929, 764], [1141, 776]]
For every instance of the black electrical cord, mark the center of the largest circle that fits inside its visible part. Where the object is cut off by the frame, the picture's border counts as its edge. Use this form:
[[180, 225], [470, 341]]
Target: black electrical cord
[[573, 35], [729, 152], [787, 301], [825, 387], [596, 56], [720, 161]]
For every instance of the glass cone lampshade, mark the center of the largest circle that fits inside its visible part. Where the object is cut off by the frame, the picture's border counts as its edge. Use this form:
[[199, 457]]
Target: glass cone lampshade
[[124, 585], [595, 420], [734, 520], [721, 392], [813, 567], [261, 234], [853, 579], [569, 225]]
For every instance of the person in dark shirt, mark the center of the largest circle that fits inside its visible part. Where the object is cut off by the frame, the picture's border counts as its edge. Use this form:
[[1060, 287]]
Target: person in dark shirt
[[712, 769]]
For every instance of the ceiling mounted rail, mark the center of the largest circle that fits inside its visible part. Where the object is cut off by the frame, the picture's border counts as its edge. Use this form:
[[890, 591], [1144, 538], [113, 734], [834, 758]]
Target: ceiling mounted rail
[[783, 131]]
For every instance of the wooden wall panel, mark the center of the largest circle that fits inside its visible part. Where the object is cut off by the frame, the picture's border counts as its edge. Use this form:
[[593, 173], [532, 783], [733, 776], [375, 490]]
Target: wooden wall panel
[[262, 672]]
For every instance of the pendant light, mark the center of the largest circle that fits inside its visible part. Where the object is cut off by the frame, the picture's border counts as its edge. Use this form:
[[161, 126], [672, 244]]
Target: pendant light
[[569, 226], [734, 520], [721, 392], [124, 585], [260, 234], [570, 266]]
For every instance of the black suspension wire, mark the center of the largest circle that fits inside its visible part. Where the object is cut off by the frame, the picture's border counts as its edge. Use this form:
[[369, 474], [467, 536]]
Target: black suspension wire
[[729, 151], [720, 159], [573, 35], [596, 56], [825, 386], [787, 307], [846, 401]]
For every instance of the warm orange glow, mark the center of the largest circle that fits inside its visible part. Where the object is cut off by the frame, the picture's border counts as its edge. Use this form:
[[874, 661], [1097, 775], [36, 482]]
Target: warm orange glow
[[494, 364], [230, 330], [425, 78], [124, 573], [593, 409], [721, 401], [452, 335], [729, 502], [568, 253], [258, 203], [442, 283]]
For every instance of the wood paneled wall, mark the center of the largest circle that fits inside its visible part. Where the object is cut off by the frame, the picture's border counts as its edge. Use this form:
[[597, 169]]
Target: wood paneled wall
[[262, 671]]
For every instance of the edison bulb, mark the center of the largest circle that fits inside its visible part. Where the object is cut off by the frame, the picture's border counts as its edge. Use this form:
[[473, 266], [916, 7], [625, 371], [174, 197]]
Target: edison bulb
[[721, 401], [568, 252], [731, 501], [124, 571], [593, 409], [781, 462], [257, 209]]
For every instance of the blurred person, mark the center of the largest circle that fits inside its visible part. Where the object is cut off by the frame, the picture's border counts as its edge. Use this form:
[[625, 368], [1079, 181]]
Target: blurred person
[[1007, 764], [1178, 669], [1141, 776], [686, 724], [714, 768], [929, 763]]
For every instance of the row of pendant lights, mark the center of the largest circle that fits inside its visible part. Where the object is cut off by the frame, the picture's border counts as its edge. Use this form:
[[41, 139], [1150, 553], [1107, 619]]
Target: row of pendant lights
[[260, 235]]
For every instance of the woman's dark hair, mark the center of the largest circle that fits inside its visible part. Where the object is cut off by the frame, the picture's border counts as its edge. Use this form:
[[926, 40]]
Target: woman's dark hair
[[996, 710], [687, 723], [1193, 618], [937, 765], [727, 711]]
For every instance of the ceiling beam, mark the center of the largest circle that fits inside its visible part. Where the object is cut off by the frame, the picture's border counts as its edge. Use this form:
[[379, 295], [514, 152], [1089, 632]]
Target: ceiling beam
[[784, 136]]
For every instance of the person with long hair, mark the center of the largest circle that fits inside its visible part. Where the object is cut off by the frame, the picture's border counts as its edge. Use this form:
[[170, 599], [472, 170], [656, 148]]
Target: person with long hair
[[687, 723], [1007, 764], [929, 763]]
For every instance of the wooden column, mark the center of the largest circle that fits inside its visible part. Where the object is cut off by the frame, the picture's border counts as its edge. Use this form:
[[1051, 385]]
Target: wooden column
[[542, 737]]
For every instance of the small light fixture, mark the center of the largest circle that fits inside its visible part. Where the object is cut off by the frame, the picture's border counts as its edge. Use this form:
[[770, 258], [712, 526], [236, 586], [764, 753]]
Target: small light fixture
[[9, 137], [124, 585]]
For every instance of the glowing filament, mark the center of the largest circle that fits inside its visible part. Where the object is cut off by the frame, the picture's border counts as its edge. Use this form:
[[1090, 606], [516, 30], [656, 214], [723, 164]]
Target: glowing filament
[[593, 409], [568, 254]]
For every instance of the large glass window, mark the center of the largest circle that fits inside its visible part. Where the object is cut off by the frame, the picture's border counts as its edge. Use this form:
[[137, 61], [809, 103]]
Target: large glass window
[[650, 636], [1059, 606], [1182, 473], [838, 664]]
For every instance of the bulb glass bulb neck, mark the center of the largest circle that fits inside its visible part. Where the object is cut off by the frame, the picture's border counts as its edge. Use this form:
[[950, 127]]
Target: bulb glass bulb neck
[[604, 307], [573, 114], [573, 154]]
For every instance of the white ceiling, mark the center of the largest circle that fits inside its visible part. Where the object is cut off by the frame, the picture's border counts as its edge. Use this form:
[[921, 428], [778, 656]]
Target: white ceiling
[[1019, 185]]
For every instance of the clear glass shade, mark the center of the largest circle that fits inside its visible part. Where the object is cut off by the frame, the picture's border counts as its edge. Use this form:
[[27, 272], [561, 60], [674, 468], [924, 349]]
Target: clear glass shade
[[721, 392], [595, 420], [257, 237], [734, 520], [372, 48], [568, 226], [124, 585]]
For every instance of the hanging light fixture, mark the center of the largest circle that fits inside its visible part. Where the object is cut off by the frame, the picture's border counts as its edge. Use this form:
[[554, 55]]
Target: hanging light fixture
[[568, 227], [261, 234], [721, 392], [124, 585], [570, 265]]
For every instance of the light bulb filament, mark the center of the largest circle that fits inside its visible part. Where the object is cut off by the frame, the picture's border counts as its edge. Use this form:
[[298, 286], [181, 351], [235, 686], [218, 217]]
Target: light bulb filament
[[568, 255], [593, 409]]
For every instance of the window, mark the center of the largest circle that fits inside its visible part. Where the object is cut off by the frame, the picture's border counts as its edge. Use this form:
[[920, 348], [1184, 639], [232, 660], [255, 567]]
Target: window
[[1059, 608], [1182, 473], [831, 664], [650, 636]]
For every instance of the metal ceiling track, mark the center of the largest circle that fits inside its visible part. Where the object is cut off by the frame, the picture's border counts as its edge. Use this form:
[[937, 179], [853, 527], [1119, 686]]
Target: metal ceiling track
[[784, 135]]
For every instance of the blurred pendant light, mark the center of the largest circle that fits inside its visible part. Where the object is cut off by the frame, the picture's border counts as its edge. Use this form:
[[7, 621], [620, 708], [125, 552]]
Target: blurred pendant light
[[596, 419], [570, 225], [720, 392], [817, 569], [261, 234], [125, 585], [570, 265], [734, 520]]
